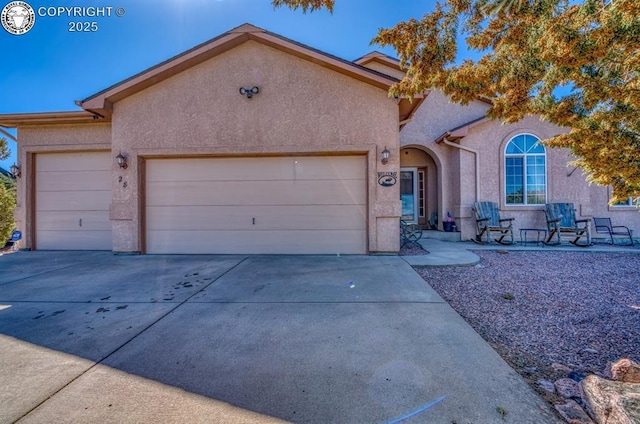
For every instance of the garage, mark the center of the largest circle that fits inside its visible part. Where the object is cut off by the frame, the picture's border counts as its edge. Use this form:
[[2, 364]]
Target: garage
[[257, 205], [73, 194]]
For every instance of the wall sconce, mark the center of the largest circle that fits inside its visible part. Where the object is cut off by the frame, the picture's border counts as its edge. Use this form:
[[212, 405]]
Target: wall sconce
[[15, 170], [249, 92], [122, 160], [385, 156]]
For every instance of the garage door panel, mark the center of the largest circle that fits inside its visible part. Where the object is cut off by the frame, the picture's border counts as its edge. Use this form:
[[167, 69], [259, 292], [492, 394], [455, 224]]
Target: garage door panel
[[73, 181], [212, 169], [73, 201], [221, 193], [271, 168], [332, 167], [74, 240], [257, 242], [70, 220], [81, 161], [266, 217]]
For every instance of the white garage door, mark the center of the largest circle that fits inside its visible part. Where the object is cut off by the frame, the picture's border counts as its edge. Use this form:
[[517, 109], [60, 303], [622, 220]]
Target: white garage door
[[296, 205], [73, 193]]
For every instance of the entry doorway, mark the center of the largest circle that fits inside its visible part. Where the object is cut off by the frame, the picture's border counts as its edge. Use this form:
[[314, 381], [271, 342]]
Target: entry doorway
[[412, 194]]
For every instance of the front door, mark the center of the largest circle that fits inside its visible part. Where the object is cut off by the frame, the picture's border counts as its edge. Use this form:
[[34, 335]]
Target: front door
[[409, 194]]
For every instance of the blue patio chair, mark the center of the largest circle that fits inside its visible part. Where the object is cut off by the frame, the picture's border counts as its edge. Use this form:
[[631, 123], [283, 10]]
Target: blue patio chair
[[561, 220], [488, 221]]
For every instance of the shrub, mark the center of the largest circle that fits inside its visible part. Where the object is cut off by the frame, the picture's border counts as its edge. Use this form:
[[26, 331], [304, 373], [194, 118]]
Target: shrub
[[7, 205]]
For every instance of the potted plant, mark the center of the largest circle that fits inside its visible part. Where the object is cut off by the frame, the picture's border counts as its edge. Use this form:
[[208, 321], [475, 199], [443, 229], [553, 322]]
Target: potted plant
[[448, 223]]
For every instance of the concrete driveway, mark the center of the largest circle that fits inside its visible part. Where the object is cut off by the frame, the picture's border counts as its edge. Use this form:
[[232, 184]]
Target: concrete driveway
[[93, 337]]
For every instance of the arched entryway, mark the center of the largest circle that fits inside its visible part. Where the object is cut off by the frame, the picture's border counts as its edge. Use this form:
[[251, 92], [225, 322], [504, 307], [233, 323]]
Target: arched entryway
[[419, 187]]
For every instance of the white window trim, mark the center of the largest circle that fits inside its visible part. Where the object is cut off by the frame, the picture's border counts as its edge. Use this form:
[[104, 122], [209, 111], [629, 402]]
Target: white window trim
[[524, 182]]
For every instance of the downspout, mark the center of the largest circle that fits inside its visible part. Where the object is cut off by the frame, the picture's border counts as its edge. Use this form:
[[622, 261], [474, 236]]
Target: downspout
[[446, 141]]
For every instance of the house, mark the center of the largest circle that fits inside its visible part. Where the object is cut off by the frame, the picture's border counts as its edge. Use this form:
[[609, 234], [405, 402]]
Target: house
[[254, 143], [5, 173]]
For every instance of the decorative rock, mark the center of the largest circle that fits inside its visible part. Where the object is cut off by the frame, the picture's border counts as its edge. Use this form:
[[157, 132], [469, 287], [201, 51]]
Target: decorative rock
[[572, 412], [612, 401], [625, 370], [567, 388], [590, 350], [559, 367], [547, 386], [530, 370]]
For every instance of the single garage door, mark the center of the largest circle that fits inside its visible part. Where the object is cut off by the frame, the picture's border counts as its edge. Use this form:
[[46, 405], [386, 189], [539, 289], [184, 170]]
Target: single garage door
[[73, 194], [297, 205]]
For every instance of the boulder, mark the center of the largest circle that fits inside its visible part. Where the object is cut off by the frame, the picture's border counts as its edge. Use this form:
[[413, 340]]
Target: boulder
[[625, 370], [567, 388], [573, 413], [612, 401]]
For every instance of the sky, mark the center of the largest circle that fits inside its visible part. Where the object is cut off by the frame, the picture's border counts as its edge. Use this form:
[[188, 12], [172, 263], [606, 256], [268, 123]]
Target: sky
[[48, 67]]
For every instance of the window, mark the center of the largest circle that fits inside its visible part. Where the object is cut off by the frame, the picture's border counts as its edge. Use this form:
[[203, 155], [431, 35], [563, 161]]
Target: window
[[629, 203], [525, 171]]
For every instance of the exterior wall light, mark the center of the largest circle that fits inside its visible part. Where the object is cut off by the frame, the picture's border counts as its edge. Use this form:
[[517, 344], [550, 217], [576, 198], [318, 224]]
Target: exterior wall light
[[385, 156], [249, 92], [15, 170], [122, 160]]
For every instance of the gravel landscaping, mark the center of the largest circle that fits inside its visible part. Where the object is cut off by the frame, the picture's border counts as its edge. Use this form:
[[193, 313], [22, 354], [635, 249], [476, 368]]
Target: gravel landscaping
[[549, 314]]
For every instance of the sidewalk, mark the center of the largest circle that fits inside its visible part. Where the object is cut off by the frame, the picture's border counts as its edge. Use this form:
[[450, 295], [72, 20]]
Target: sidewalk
[[447, 253]]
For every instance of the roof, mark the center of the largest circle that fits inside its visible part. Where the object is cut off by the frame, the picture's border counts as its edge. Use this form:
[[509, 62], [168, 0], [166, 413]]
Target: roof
[[379, 57], [99, 107], [102, 102], [461, 131], [6, 173], [46, 118]]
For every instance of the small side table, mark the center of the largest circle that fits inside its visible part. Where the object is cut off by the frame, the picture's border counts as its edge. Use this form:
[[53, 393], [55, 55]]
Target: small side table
[[524, 232]]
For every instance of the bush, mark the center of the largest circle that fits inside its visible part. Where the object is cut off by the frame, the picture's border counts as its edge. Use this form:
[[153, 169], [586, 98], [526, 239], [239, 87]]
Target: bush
[[7, 205]]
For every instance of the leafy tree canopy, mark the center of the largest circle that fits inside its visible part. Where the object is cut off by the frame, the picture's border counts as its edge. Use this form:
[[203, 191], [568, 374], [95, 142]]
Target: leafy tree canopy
[[4, 149], [576, 63]]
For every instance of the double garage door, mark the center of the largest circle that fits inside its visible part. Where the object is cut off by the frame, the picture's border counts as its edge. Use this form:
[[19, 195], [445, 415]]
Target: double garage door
[[297, 205]]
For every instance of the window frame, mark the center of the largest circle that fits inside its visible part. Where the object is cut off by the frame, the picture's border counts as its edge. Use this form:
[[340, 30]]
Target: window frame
[[524, 156], [622, 206]]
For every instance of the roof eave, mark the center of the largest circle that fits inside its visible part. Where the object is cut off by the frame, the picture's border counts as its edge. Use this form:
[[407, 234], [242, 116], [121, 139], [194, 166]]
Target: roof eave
[[407, 108], [461, 131], [15, 120]]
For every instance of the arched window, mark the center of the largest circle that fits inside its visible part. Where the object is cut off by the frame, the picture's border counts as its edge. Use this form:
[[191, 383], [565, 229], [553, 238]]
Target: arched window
[[525, 171]]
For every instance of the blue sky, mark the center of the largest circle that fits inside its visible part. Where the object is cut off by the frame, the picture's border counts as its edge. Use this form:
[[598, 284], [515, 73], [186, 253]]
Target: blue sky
[[49, 67]]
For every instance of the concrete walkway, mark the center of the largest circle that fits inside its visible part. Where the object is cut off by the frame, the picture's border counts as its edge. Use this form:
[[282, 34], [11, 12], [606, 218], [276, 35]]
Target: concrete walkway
[[445, 253], [93, 337]]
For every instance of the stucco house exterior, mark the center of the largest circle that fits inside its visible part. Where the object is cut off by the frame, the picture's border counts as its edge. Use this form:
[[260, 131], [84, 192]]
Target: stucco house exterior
[[254, 143]]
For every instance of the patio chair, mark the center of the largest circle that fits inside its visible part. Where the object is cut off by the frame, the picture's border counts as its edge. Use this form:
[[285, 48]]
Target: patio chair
[[409, 233], [561, 220], [488, 221], [604, 226]]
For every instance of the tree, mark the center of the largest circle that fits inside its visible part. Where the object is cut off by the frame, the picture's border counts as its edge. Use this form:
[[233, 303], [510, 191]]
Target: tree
[[7, 199], [4, 148], [574, 63]]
